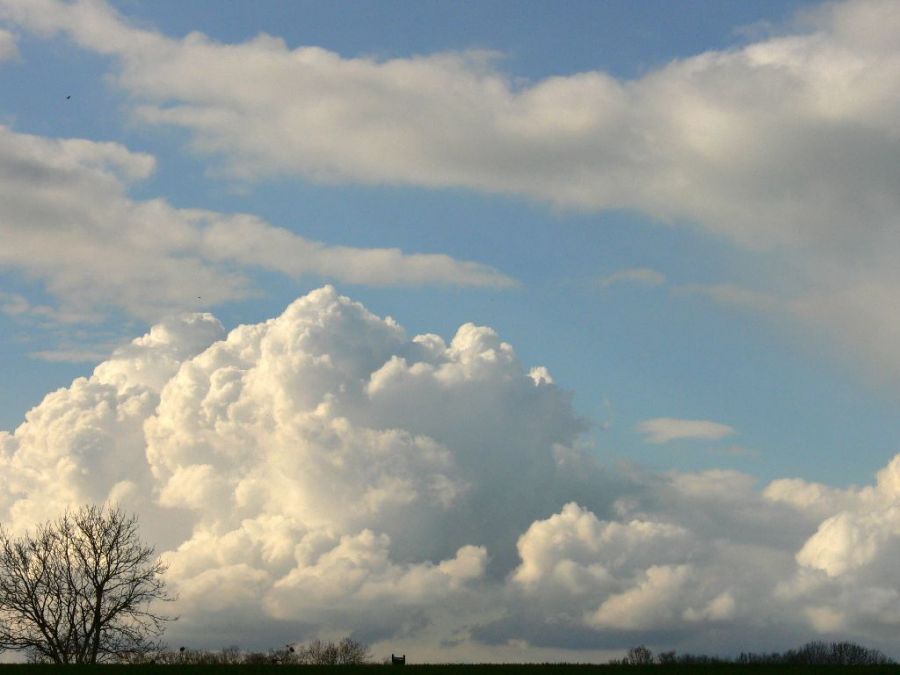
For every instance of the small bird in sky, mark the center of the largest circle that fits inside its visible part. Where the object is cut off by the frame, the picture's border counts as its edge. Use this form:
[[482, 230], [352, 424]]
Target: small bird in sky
[[68, 97]]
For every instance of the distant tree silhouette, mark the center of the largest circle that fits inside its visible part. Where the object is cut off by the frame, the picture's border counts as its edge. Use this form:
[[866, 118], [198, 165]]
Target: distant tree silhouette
[[344, 653], [638, 656], [317, 652], [666, 658], [811, 654], [836, 654]]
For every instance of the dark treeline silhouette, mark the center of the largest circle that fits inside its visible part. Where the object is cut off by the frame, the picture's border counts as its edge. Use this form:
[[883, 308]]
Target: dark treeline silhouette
[[318, 652], [811, 654], [823, 654]]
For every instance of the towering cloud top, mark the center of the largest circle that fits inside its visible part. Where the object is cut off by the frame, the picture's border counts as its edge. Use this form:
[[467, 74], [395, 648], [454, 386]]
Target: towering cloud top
[[280, 457]]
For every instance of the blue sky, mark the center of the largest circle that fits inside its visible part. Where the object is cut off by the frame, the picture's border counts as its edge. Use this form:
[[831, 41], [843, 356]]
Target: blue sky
[[686, 213]]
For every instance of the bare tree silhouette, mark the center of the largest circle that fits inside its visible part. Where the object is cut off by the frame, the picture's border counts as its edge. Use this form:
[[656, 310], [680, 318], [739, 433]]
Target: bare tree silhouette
[[81, 589]]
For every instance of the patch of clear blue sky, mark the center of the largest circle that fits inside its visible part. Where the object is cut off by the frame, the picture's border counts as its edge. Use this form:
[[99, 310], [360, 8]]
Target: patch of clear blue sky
[[646, 351]]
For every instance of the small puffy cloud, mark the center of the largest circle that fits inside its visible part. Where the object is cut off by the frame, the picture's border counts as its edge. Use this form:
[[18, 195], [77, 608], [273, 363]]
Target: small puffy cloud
[[847, 575], [665, 429], [637, 276], [705, 560], [67, 220], [657, 564], [550, 547], [720, 608], [810, 497], [8, 45], [601, 574], [864, 531], [357, 571], [646, 604]]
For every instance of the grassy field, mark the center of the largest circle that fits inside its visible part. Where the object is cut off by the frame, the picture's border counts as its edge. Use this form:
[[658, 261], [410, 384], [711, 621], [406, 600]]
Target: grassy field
[[450, 669]]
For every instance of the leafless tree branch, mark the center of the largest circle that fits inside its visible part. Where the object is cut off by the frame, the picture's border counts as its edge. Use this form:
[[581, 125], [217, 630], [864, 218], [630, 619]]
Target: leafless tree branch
[[81, 589]]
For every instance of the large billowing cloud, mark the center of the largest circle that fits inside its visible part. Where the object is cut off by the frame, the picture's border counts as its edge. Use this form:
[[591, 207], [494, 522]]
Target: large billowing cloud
[[322, 473], [786, 146], [319, 469], [67, 220]]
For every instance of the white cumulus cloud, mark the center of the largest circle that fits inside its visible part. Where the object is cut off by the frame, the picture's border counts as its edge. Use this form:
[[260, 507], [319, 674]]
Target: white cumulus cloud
[[321, 466]]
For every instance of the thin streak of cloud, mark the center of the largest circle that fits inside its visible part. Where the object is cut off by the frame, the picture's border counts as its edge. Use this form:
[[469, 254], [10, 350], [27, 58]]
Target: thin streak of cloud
[[736, 451], [69, 355], [734, 296], [634, 276], [666, 429]]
